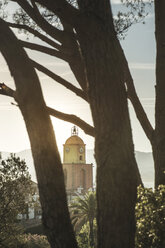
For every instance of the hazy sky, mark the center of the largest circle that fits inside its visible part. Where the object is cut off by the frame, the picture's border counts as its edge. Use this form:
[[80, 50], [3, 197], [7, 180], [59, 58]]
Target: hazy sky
[[139, 47]]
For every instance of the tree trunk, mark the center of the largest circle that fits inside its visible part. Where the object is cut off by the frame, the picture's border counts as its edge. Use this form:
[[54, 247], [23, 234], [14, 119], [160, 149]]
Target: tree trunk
[[91, 234], [114, 151], [159, 138], [44, 149]]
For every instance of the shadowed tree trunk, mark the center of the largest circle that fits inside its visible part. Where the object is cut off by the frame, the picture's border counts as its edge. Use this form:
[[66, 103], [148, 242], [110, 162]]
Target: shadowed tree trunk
[[114, 151], [159, 136], [44, 149]]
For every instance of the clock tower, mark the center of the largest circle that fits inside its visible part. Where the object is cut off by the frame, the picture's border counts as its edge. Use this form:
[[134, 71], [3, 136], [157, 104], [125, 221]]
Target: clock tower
[[78, 175]]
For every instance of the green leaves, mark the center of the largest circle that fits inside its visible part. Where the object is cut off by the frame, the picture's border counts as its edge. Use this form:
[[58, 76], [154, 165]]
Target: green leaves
[[15, 186], [150, 216], [83, 209]]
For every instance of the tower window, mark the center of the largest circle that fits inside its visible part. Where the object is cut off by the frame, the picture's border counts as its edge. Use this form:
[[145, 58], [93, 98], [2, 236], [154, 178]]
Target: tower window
[[80, 157]]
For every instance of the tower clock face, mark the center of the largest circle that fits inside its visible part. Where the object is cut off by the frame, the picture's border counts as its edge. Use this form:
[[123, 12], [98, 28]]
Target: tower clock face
[[81, 149], [67, 149]]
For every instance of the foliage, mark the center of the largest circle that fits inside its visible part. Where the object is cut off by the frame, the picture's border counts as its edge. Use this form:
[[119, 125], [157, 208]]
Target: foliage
[[32, 241], [83, 235], [133, 11], [83, 209], [150, 218], [15, 185], [150, 215]]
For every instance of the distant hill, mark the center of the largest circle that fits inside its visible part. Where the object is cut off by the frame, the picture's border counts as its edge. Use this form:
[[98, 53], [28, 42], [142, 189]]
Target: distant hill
[[146, 167], [144, 160]]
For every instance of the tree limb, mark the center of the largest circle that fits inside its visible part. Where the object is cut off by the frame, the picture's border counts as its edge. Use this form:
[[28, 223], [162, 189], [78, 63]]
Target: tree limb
[[35, 33], [40, 21], [139, 110], [132, 95], [73, 119], [75, 60], [5, 90], [62, 9], [60, 80], [43, 49]]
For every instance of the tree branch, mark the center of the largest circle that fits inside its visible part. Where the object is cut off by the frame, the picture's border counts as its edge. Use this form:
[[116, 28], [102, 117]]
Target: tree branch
[[62, 9], [40, 21], [35, 33], [73, 119], [75, 60], [5, 90], [139, 110], [132, 95], [43, 49], [60, 80]]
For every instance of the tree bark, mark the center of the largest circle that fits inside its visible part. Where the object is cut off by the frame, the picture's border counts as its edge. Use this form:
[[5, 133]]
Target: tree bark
[[91, 234], [44, 149], [159, 137], [116, 166]]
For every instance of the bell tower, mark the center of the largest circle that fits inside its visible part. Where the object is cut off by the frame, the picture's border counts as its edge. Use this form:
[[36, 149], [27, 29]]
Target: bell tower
[[77, 174], [74, 149]]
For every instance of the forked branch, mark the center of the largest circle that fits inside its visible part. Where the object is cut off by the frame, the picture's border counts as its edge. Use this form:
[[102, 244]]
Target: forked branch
[[35, 33], [40, 21], [62, 9]]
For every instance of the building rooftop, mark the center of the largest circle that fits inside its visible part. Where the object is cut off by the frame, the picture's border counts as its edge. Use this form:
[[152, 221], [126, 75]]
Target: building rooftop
[[74, 140]]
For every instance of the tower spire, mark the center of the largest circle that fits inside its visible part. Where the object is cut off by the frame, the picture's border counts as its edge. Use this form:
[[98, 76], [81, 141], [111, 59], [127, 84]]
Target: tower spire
[[74, 131]]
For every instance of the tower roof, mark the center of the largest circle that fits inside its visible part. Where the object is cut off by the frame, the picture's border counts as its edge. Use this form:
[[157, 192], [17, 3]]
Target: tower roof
[[74, 140]]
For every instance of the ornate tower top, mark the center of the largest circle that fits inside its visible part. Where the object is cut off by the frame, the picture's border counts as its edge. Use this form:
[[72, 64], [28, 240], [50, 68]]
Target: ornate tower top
[[74, 131], [74, 149]]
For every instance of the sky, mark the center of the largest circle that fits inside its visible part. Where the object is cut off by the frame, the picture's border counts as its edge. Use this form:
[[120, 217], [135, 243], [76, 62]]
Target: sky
[[139, 48]]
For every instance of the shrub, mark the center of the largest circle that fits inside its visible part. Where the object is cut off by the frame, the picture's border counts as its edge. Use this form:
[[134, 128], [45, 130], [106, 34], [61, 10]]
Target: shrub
[[83, 235], [150, 217], [33, 241]]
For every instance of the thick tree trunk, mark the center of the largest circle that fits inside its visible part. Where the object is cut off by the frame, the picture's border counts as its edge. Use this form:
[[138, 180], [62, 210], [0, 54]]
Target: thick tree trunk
[[116, 171], [45, 153], [159, 138], [114, 151]]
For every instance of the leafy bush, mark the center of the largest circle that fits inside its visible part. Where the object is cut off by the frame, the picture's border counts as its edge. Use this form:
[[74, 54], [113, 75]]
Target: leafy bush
[[32, 241], [83, 235], [150, 220], [15, 185], [150, 216]]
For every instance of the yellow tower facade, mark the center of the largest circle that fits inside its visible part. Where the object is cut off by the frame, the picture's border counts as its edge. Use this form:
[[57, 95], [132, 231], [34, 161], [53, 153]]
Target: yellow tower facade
[[78, 175], [74, 149]]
